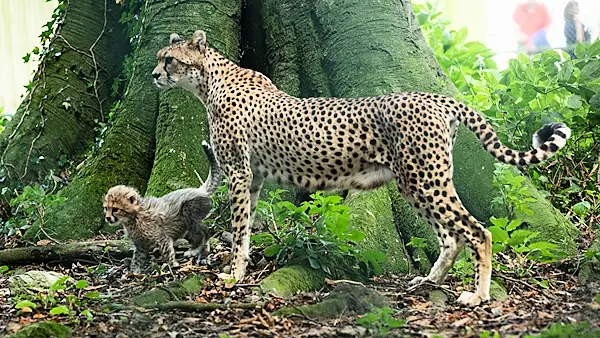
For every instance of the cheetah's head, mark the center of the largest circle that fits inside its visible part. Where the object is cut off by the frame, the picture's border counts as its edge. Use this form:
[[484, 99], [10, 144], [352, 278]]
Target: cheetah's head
[[121, 204], [181, 64]]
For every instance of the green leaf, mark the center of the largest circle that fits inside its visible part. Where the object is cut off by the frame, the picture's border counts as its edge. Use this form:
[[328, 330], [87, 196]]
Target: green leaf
[[574, 102], [88, 314], [590, 72], [595, 100], [314, 263], [582, 208], [460, 36], [594, 49], [498, 234], [81, 284], [395, 323], [417, 242], [92, 294], [542, 246], [60, 310], [272, 250], [499, 222], [375, 256], [25, 303], [497, 247], [513, 225], [566, 71], [355, 236]]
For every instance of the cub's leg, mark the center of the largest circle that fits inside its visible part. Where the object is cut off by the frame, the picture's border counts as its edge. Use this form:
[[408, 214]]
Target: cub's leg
[[193, 212], [164, 245], [139, 259]]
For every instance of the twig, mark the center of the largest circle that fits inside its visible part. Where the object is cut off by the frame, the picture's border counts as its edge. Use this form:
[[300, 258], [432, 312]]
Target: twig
[[346, 281], [194, 306]]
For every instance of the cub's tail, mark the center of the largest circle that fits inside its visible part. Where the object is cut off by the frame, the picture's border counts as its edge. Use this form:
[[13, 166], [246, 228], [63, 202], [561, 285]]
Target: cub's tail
[[215, 175], [546, 141]]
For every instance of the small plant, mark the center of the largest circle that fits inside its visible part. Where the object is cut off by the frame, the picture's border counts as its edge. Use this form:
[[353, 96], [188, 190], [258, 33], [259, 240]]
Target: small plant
[[28, 207], [61, 298], [318, 231], [464, 268], [506, 232], [380, 321], [514, 196], [488, 334]]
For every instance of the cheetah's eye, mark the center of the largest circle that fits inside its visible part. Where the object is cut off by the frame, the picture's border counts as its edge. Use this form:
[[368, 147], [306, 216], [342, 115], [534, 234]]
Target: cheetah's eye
[[168, 60], [115, 209]]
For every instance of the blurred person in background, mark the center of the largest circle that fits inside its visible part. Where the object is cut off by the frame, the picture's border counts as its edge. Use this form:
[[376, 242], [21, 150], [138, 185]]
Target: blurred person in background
[[575, 31], [533, 21]]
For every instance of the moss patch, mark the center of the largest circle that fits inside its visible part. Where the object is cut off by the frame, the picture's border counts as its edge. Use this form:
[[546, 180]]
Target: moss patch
[[293, 278], [175, 291], [43, 330], [371, 213], [343, 300]]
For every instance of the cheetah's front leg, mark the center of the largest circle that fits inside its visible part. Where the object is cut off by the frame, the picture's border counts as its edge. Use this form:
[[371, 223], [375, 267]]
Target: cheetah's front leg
[[239, 195]]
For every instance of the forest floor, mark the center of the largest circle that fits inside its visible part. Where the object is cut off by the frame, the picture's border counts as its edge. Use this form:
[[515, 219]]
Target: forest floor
[[529, 308]]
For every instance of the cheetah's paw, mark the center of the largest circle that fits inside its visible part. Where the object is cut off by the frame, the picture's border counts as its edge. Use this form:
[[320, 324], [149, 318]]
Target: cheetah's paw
[[469, 299]]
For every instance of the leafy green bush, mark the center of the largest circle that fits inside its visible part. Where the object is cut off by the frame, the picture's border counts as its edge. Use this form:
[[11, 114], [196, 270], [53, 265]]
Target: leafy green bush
[[535, 90], [318, 231], [28, 207]]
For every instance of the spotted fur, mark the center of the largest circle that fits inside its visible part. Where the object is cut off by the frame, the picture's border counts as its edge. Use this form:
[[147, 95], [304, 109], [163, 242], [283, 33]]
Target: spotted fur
[[259, 132], [154, 223]]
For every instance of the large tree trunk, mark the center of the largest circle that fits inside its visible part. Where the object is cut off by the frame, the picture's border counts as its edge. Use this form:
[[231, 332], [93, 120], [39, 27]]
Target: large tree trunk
[[182, 120], [371, 48], [128, 153], [70, 93]]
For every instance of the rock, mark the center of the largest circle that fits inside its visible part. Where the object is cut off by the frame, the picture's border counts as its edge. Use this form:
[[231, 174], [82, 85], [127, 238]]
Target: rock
[[36, 280], [438, 298], [352, 331]]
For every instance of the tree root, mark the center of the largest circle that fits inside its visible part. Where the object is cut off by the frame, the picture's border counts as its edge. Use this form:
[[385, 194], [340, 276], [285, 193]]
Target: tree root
[[95, 250]]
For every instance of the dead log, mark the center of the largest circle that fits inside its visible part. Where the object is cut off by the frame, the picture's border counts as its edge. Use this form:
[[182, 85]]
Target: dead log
[[93, 250]]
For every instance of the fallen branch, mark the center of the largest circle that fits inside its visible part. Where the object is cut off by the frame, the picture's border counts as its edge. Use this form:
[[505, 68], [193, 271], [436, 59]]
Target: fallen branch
[[194, 306], [94, 250]]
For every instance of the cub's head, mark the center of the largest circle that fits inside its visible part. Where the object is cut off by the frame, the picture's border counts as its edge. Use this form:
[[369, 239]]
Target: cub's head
[[121, 204], [181, 64]]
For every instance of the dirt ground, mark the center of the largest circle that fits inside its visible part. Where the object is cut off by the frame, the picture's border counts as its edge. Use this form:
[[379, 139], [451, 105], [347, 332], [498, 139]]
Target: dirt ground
[[528, 309]]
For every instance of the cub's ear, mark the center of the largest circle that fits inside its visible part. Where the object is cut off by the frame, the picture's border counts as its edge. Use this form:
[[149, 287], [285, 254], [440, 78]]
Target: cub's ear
[[199, 40], [132, 197], [174, 38]]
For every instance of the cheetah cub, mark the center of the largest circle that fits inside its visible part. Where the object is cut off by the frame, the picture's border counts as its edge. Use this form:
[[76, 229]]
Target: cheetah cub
[[154, 223]]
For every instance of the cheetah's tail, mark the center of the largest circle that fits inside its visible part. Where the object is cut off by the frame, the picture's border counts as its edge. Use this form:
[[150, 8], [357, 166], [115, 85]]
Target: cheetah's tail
[[546, 141], [215, 175]]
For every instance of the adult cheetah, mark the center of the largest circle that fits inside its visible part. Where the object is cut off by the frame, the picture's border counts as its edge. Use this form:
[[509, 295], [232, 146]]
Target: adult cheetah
[[259, 132]]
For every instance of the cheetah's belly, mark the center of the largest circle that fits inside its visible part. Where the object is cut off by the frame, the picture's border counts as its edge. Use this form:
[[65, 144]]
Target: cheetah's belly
[[318, 177]]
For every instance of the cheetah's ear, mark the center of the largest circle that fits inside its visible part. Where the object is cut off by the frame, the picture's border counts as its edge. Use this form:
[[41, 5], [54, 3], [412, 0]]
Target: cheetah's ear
[[132, 197], [199, 40], [174, 38]]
